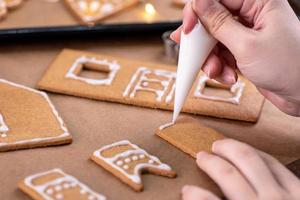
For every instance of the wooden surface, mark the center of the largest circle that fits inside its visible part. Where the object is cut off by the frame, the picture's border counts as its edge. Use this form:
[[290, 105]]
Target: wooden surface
[[95, 123]]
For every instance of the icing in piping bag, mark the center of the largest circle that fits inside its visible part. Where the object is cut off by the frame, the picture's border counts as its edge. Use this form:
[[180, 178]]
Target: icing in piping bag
[[194, 50]]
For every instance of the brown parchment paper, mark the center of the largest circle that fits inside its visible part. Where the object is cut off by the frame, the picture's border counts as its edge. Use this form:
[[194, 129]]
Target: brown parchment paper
[[95, 123], [41, 13]]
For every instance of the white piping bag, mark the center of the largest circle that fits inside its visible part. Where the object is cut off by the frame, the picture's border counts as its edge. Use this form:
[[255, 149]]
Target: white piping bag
[[194, 50]]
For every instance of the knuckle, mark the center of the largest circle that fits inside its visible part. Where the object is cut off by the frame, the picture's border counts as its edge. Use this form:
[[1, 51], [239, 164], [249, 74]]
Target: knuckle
[[227, 171], [249, 44], [217, 20]]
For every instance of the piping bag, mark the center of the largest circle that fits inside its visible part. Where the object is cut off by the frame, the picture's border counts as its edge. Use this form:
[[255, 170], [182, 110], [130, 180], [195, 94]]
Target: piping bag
[[195, 47]]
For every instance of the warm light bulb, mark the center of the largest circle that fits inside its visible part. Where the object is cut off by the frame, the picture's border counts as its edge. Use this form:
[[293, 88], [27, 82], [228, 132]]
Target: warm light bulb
[[149, 8]]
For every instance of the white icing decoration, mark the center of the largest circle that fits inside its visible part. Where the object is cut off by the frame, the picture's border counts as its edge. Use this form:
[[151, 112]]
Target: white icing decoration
[[127, 160], [82, 191], [82, 5], [135, 177], [142, 156], [40, 189], [54, 111], [3, 127], [236, 90], [125, 167], [58, 188], [49, 191], [166, 125], [113, 69], [151, 161], [120, 163], [142, 83], [135, 158]]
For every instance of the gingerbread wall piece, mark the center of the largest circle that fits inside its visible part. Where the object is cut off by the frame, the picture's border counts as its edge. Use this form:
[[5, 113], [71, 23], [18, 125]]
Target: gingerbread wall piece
[[236, 90], [93, 63], [127, 161], [152, 85], [141, 82], [189, 136], [92, 11], [28, 119], [57, 185]]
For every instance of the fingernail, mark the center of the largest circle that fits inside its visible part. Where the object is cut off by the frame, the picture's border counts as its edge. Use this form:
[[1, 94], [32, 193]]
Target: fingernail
[[209, 73], [201, 6], [172, 36], [229, 79]]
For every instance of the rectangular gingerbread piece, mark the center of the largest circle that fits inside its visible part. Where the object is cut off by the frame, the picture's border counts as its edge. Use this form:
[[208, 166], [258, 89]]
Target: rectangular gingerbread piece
[[28, 119], [148, 85], [57, 185], [189, 136]]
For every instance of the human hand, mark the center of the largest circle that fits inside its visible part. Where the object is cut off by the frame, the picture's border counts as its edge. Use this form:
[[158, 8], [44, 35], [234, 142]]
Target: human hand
[[243, 172], [262, 41]]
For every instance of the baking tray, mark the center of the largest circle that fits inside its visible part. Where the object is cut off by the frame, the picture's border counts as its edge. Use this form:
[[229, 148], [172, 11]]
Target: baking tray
[[41, 18]]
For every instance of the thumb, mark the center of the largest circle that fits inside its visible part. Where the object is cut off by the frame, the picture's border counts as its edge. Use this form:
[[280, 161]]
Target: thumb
[[221, 24]]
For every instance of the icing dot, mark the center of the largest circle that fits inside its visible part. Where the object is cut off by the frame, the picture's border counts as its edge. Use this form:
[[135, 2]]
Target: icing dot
[[91, 197], [66, 186], [82, 5], [82, 191], [142, 156], [58, 188], [59, 196], [150, 161], [49, 191], [3, 135], [127, 160], [135, 158], [125, 167], [106, 8], [120, 162], [73, 184], [145, 84]]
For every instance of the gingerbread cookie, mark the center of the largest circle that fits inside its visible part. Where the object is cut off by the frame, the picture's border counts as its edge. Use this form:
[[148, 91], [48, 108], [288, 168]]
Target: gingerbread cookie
[[28, 119], [148, 85], [127, 161], [189, 136], [56, 185], [91, 11]]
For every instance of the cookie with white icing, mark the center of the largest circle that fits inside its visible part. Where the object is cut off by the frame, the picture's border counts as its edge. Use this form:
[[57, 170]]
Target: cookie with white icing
[[28, 119], [188, 135], [150, 85], [57, 185], [127, 162], [91, 11]]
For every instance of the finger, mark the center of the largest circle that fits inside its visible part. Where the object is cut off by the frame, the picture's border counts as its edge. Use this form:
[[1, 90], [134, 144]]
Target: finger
[[190, 19], [228, 58], [228, 76], [175, 35], [226, 176], [286, 178], [249, 162], [212, 66], [282, 104], [190, 192], [220, 23]]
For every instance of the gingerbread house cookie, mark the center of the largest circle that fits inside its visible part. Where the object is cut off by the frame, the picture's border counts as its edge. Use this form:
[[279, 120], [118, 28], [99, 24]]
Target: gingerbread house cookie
[[91, 11], [127, 161], [28, 119], [57, 185], [149, 85]]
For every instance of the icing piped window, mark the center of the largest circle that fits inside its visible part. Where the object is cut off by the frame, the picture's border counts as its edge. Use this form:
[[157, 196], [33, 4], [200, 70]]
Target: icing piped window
[[3, 127], [145, 80], [95, 65], [236, 90]]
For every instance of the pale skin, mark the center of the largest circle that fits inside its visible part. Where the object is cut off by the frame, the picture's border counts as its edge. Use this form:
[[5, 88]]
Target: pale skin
[[262, 41]]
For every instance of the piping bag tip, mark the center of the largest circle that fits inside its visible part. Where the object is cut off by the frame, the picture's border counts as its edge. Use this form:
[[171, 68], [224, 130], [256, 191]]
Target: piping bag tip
[[194, 50]]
